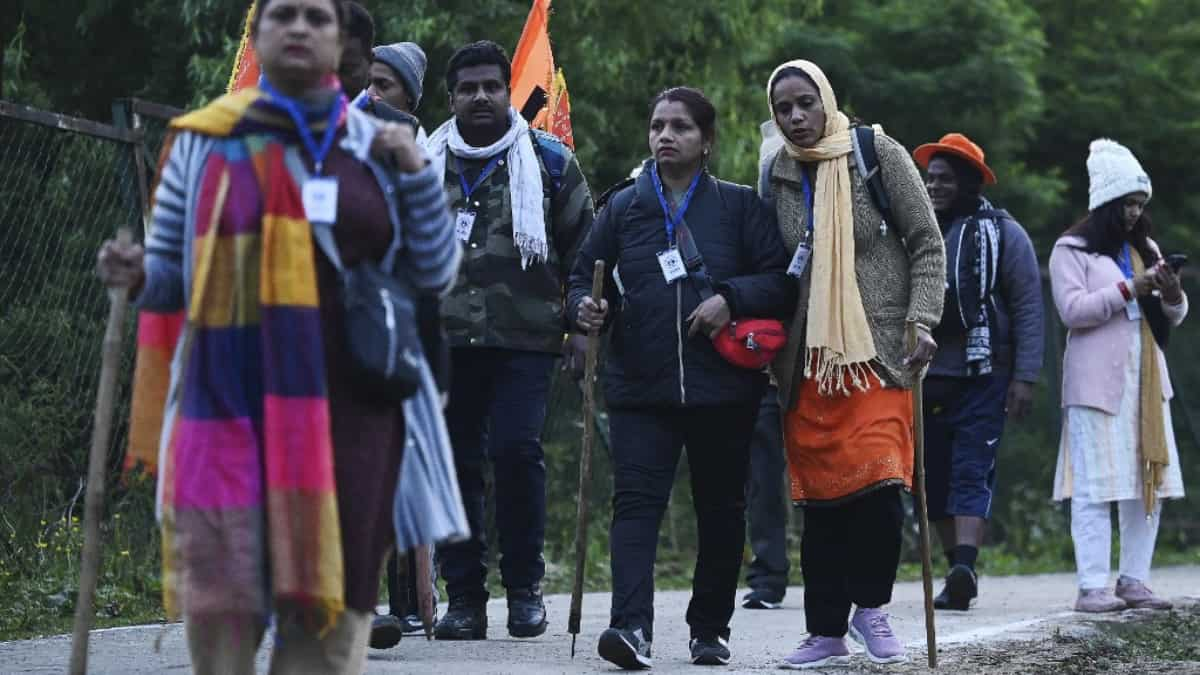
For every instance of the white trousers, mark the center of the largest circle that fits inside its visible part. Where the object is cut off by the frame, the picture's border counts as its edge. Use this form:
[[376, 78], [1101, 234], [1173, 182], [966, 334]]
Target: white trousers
[[1091, 529]]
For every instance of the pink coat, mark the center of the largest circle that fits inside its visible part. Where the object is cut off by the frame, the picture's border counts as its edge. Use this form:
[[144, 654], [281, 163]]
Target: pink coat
[[1093, 309]]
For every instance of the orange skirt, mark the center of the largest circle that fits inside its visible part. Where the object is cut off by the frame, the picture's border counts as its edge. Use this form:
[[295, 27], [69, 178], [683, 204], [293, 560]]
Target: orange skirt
[[841, 446]]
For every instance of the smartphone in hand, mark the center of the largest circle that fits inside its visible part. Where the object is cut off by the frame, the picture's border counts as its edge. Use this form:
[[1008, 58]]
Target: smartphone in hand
[[1176, 261]]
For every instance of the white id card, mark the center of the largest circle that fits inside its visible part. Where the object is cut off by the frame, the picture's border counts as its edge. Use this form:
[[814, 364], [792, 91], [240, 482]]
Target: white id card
[[672, 265], [1133, 310], [800, 260], [320, 197], [463, 222]]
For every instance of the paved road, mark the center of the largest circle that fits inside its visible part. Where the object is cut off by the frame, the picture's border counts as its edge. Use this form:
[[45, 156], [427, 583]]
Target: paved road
[[1010, 608]]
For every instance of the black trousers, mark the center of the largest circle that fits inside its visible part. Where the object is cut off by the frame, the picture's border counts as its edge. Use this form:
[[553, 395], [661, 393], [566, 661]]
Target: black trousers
[[849, 555], [646, 445], [767, 502], [496, 414]]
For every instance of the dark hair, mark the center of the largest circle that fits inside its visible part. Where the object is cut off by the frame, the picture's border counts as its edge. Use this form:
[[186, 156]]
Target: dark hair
[[970, 184], [359, 24], [703, 113], [481, 53], [790, 71], [1103, 231]]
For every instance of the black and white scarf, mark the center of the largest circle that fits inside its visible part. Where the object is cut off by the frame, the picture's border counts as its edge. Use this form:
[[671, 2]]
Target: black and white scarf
[[973, 280]]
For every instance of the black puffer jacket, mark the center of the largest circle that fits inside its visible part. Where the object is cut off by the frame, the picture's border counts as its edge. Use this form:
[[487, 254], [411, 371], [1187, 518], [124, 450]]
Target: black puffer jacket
[[651, 360]]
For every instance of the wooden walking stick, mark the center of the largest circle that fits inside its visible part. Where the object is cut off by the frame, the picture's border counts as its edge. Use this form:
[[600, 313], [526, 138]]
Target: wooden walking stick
[[585, 461], [110, 365], [424, 586], [921, 506]]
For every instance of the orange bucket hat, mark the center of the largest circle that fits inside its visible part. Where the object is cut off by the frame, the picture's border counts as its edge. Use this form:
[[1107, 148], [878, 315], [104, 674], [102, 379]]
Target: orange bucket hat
[[960, 146]]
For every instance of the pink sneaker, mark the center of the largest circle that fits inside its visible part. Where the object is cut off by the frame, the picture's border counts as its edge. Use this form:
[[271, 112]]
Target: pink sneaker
[[1138, 596], [870, 628], [1097, 600], [818, 652]]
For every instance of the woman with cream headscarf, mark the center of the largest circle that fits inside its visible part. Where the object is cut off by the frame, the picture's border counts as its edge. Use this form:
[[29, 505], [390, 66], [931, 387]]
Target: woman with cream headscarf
[[845, 375]]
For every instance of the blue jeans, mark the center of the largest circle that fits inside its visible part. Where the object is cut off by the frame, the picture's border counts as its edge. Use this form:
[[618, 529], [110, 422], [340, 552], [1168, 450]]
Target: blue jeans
[[496, 412]]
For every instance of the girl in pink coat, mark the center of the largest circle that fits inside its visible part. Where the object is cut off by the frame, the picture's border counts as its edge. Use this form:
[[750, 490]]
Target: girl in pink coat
[[1119, 301]]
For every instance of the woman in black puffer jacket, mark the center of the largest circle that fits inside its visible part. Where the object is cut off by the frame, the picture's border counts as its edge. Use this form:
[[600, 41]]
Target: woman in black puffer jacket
[[666, 386]]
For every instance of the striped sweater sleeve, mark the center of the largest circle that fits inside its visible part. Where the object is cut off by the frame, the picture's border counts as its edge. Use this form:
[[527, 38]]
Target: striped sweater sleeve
[[163, 290], [430, 249]]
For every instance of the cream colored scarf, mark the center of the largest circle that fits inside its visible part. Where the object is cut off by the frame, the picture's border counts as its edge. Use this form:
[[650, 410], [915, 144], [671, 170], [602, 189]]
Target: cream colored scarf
[[839, 345], [1152, 435]]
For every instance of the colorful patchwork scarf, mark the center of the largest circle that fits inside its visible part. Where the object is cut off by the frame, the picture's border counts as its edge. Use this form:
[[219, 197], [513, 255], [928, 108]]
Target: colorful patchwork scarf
[[246, 491]]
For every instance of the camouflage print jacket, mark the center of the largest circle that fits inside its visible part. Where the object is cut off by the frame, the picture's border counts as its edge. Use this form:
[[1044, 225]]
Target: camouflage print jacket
[[494, 302]]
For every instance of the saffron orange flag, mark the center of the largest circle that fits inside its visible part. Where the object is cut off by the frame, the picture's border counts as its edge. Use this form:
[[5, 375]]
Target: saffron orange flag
[[245, 65], [539, 91]]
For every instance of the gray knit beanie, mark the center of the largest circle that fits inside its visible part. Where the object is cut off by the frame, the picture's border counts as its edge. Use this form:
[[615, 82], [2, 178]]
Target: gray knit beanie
[[408, 60]]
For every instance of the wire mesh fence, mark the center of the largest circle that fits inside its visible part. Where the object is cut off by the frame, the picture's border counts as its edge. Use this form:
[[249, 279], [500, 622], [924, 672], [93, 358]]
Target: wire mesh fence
[[65, 186]]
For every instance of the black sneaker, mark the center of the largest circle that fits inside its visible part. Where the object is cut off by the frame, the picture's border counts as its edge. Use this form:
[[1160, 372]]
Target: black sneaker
[[465, 620], [712, 651], [526, 612], [626, 648], [962, 587], [412, 623], [762, 599], [386, 631]]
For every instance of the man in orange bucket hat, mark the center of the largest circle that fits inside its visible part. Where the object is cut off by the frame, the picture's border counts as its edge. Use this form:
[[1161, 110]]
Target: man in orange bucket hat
[[989, 355]]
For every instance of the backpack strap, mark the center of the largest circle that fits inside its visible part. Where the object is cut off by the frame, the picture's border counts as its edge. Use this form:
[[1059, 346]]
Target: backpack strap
[[554, 168], [611, 192], [867, 161], [693, 261]]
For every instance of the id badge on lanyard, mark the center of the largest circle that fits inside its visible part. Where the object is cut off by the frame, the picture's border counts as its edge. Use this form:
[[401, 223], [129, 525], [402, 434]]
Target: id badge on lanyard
[[464, 220], [672, 265], [800, 259], [803, 252], [319, 194], [670, 260]]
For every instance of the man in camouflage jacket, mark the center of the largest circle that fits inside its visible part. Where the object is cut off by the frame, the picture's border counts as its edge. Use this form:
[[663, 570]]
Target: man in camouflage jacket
[[506, 326]]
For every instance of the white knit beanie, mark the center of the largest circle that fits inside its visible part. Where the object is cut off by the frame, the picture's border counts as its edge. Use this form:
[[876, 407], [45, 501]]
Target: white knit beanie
[[1113, 172]]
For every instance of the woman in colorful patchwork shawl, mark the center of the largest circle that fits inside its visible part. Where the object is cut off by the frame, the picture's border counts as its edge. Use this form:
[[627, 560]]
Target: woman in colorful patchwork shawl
[[277, 473], [1118, 300], [844, 376]]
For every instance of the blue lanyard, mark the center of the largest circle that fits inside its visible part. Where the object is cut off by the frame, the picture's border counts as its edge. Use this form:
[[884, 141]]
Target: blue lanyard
[[673, 220], [1125, 262], [808, 199], [488, 168], [310, 143]]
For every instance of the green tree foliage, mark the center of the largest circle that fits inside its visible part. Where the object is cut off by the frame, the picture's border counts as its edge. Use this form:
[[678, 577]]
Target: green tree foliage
[[1033, 81]]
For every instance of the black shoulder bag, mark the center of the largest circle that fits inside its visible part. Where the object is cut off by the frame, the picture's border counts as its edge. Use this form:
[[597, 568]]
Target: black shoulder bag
[[382, 333]]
